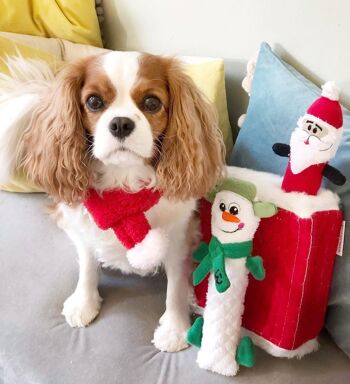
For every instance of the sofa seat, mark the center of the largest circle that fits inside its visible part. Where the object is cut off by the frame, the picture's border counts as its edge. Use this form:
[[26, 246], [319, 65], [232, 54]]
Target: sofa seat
[[38, 271]]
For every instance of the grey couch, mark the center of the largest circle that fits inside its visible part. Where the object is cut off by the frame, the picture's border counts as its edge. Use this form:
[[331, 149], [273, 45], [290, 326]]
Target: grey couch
[[38, 271]]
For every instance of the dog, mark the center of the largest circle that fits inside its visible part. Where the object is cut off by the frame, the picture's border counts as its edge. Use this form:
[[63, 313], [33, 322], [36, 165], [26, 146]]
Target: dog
[[114, 120]]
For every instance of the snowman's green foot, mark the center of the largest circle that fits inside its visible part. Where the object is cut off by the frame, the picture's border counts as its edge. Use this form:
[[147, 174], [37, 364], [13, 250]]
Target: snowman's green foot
[[194, 334], [245, 352]]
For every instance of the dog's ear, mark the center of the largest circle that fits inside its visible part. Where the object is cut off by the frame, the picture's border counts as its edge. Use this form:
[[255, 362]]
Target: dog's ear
[[54, 146], [192, 154]]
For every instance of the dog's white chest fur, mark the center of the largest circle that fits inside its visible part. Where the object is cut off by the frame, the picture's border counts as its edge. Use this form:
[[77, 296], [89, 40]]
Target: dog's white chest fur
[[80, 226]]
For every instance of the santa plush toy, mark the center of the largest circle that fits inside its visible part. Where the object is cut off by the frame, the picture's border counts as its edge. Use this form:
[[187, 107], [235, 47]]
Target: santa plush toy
[[314, 142]]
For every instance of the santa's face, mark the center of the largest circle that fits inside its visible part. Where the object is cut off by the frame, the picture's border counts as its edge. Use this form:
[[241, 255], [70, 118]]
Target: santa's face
[[313, 129], [312, 142], [232, 218]]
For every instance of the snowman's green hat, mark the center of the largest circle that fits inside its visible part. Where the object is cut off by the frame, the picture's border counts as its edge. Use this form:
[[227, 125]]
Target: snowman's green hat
[[242, 188], [246, 190]]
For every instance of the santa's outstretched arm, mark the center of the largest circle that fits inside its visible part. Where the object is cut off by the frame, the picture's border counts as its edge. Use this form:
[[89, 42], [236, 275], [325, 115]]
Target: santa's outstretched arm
[[281, 149], [334, 175]]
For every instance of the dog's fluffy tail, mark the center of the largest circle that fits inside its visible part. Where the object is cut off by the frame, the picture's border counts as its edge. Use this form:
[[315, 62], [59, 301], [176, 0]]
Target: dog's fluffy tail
[[20, 93]]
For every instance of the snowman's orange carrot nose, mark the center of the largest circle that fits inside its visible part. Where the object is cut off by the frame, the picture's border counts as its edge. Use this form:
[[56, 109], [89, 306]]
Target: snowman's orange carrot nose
[[229, 217]]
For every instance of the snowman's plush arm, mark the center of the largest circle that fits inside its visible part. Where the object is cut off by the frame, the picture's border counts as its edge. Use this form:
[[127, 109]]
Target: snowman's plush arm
[[281, 149], [255, 266], [334, 175], [200, 253]]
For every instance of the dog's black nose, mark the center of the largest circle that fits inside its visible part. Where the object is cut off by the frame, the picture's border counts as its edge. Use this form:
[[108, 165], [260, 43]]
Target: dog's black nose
[[121, 127]]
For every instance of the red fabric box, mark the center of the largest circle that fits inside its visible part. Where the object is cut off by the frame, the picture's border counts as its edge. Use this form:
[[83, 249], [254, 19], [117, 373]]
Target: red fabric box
[[285, 312]]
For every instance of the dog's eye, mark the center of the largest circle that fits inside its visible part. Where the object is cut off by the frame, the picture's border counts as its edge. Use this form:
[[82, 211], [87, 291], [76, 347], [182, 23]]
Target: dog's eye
[[94, 103], [152, 104]]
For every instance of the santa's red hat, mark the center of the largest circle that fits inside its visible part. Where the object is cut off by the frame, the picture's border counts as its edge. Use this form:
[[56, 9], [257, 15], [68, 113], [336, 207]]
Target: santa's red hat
[[327, 107]]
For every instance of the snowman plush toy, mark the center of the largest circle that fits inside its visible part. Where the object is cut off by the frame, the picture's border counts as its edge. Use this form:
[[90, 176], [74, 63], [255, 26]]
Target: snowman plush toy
[[228, 259]]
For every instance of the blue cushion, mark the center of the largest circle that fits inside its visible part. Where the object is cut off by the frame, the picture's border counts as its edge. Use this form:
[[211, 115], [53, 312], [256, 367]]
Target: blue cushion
[[279, 96]]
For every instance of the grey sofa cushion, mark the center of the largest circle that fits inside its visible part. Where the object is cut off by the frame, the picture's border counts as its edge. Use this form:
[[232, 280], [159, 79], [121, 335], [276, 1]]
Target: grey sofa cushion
[[38, 271]]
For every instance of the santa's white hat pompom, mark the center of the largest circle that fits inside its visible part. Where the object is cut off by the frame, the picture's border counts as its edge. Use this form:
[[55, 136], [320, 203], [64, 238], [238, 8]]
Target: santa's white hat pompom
[[330, 90], [327, 107]]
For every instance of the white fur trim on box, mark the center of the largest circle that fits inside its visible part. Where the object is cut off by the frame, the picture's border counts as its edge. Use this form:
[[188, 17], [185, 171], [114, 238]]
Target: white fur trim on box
[[268, 189], [306, 348]]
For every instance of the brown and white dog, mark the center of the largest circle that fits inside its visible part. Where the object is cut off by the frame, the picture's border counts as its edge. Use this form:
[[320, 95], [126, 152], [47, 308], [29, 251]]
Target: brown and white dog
[[119, 119]]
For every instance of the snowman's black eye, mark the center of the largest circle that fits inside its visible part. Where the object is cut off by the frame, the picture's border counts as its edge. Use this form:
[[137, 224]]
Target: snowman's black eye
[[233, 210], [222, 207]]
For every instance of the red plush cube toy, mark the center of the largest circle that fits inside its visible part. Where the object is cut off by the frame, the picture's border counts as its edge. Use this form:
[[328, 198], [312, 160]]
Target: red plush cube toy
[[285, 312]]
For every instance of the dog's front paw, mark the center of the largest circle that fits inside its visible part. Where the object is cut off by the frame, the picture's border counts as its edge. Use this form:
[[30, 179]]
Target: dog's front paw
[[169, 337], [80, 309]]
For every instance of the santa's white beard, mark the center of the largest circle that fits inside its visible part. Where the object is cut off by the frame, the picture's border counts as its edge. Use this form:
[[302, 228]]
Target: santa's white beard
[[318, 151]]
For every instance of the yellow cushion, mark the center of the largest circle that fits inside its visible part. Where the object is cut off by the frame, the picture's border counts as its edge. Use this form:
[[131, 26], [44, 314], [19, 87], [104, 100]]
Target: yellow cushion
[[208, 74], [73, 20]]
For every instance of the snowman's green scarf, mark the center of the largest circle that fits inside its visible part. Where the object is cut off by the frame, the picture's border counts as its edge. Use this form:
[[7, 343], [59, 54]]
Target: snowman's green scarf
[[212, 258]]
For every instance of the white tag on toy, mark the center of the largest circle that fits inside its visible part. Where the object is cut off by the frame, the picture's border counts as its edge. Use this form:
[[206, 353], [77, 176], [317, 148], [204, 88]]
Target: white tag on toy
[[341, 240]]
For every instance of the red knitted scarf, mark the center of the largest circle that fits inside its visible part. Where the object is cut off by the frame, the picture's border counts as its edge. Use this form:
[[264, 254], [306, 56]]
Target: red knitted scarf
[[123, 211]]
